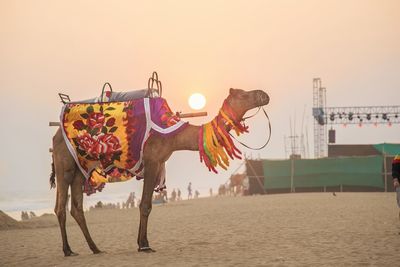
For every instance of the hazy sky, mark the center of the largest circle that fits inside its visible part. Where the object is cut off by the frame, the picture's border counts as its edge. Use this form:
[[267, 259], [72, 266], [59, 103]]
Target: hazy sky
[[204, 46]]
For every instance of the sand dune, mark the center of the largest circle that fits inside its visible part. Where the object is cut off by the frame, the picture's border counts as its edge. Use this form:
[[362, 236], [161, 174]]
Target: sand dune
[[315, 229], [6, 222]]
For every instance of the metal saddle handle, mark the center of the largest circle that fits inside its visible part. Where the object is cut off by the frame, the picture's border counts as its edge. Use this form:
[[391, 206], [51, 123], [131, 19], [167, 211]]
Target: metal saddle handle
[[150, 85], [102, 91]]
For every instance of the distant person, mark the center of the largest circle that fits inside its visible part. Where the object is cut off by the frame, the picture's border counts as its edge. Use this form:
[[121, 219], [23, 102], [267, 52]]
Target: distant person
[[227, 189], [24, 216], [130, 202], [164, 195], [173, 195], [221, 190], [32, 215], [179, 195], [190, 196], [133, 200], [396, 178], [211, 192], [246, 186], [196, 194], [98, 205]]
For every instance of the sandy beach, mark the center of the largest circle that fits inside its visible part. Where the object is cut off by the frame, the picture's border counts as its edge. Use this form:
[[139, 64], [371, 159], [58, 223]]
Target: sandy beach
[[313, 229]]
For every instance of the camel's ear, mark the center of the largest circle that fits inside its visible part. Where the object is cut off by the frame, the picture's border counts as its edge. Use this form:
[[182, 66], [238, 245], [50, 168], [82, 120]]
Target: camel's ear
[[232, 91]]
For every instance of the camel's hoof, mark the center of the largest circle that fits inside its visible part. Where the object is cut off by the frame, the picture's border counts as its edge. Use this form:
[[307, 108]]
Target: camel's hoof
[[146, 249], [98, 252], [70, 253]]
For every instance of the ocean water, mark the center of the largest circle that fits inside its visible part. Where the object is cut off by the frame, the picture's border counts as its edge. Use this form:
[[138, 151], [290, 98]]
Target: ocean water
[[40, 199], [40, 205], [43, 200]]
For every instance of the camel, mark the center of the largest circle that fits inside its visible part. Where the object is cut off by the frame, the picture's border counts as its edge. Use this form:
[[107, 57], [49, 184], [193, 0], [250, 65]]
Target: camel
[[236, 183], [156, 153]]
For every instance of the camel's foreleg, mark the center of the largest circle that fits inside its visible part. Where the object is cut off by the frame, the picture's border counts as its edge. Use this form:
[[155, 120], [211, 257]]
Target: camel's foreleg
[[77, 209], [151, 173]]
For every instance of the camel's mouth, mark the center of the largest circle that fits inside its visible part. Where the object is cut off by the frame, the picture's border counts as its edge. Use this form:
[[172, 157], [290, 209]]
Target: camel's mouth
[[262, 98]]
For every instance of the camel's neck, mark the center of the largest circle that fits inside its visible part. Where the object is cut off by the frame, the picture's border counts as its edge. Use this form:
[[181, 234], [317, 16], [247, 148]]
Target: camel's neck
[[188, 138]]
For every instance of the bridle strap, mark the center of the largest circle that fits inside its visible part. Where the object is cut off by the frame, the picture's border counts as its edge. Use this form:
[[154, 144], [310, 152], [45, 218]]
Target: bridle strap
[[248, 117], [269, 129]]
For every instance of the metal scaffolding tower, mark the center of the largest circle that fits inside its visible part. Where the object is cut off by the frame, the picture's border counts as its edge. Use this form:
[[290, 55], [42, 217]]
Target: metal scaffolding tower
[[319, 105], [344, 115]]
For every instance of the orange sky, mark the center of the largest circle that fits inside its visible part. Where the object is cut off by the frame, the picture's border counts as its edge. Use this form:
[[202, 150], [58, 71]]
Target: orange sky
[[196, 46]]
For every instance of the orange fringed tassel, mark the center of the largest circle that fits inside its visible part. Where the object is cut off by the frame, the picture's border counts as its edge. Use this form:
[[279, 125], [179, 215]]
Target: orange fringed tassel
[[215, 144]]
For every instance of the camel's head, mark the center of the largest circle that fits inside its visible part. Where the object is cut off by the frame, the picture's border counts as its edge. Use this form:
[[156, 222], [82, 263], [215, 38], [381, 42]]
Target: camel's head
[[242, 101]]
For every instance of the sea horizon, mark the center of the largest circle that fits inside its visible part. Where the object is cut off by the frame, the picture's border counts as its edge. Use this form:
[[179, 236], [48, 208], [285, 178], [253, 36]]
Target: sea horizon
[[41, 205]]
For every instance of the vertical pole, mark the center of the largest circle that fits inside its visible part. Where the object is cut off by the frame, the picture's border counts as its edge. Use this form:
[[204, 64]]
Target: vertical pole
[[291, 174], [385, 170], [341, 188]]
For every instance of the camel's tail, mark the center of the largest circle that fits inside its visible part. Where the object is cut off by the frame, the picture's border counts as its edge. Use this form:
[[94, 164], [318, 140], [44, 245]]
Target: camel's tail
[[52, 175]]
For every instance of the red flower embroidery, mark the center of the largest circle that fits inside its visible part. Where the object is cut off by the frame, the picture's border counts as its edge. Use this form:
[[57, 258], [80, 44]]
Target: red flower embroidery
[[109, 144], [95, 141], [105, 146], [95, 120], [85, 142]]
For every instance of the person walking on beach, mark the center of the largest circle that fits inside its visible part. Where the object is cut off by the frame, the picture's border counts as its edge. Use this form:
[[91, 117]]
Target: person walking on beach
[[179, 195], [24, 216], [396, 178], [190, 191], [164, 195], [173, 195], [130, 202]]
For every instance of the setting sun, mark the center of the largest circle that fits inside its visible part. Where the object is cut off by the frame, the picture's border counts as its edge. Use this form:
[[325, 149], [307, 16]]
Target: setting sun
[[197, 101]]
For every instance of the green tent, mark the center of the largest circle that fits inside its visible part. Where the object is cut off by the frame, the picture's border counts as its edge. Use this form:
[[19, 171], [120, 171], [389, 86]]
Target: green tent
[[348, 171], [388, 149]]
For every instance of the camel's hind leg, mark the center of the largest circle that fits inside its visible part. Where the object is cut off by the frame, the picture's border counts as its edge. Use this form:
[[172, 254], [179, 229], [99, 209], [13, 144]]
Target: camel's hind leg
[[64, 178], [65, 168], [77, 209]]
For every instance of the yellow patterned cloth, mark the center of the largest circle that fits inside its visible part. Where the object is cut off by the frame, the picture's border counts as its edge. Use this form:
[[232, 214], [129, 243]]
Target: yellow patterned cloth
[[107, 139]]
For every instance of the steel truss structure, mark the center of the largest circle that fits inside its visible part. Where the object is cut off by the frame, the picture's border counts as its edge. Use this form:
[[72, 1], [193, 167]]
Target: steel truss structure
[[344, 115], [362, 115]]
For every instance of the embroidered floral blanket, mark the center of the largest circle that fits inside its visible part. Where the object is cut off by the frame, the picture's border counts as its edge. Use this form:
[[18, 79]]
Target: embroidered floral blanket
[[107, 139]]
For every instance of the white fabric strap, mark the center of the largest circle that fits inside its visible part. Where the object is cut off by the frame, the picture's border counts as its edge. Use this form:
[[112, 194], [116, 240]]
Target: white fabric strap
[[146, 104], [158, 128]]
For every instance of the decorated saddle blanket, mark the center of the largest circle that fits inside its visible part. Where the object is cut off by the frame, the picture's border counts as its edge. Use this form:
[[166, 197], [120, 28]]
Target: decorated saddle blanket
[[107, 139]]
